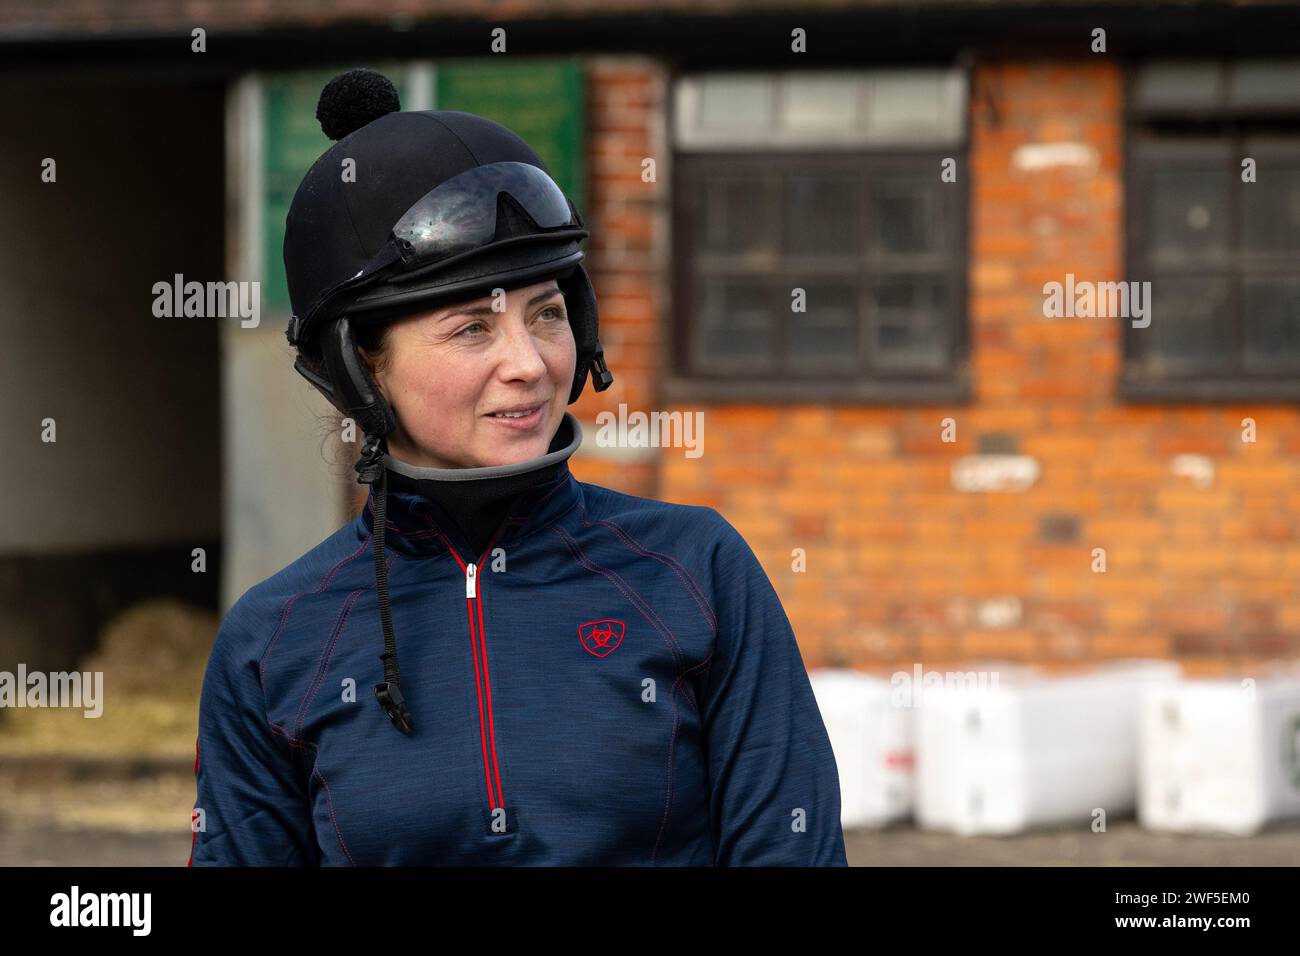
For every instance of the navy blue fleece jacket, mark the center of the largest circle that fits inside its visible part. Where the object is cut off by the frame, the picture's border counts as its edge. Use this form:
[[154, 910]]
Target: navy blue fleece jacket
[[612, 682]]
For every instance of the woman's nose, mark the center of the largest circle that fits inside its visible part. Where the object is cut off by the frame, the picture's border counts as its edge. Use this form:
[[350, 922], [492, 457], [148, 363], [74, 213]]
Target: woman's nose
[[520, 357]]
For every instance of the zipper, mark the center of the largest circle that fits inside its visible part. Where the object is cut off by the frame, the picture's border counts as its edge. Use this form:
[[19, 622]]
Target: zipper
[[482, 679], [487, 733]]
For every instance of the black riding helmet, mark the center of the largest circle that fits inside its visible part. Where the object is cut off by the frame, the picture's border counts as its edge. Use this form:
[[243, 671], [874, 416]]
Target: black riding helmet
[[405, 212]]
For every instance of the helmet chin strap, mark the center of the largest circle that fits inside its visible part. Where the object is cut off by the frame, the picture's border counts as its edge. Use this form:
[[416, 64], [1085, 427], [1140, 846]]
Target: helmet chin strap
[[370, 470]]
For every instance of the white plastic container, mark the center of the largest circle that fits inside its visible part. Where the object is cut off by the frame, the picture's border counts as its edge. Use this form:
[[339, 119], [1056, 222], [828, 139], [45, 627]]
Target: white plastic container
[[872, 742], [1220, 755], [1034, 751]]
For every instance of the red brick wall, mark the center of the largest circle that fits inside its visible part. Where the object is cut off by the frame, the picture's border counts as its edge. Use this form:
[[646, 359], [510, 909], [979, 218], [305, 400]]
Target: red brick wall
[[626, 116], [898, 561]]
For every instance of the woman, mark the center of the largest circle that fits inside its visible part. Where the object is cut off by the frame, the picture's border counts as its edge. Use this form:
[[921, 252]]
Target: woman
[[586, 677]]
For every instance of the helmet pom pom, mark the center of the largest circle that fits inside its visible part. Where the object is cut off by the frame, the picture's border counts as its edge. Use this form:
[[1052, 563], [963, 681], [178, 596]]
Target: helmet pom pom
[[353, 99]]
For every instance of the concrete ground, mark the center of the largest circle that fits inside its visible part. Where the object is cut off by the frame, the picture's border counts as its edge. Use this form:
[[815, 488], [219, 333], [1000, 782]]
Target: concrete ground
[[134, 813], [1124, 844]]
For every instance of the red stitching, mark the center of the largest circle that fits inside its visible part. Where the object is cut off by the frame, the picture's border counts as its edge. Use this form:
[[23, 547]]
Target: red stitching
[[563, 480], [344, 608], [319, 679], [478, 684], [194, 834], [487, 682], [288, 606], [672, 744], [697, 594], [435, 532], [668, 772], [294, 742], [637, 601], [629, 592], [478, 687], [329, 799], [390, 528], [285, 609]]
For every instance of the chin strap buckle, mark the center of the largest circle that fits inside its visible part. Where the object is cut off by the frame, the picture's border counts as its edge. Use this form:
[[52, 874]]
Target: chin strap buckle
[[371, 465], [394, 704], [601, 377]]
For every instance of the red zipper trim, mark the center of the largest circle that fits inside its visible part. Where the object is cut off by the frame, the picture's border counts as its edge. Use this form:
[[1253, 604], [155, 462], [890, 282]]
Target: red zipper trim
[[487, 682], [478, 638], [478, 684], [194, 836]]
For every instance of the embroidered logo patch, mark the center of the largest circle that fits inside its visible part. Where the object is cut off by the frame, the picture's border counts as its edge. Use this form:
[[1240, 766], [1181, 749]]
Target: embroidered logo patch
[[601, 637]]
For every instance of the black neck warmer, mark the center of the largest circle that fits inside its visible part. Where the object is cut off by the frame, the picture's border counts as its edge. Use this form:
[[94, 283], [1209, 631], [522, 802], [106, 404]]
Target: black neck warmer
[[478, 499]]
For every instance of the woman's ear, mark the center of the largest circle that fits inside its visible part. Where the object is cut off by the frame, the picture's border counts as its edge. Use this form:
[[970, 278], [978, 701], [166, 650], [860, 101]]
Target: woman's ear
[[376, 374]]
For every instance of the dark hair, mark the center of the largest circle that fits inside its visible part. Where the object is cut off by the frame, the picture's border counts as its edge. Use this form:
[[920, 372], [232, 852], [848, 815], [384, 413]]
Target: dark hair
[[372, 338]]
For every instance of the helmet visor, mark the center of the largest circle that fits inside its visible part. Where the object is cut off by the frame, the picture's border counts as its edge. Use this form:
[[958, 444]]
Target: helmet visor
[[459, 216], [454, 221]]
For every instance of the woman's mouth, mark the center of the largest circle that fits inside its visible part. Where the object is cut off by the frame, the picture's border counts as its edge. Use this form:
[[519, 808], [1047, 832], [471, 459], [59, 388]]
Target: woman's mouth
[[523, 420]]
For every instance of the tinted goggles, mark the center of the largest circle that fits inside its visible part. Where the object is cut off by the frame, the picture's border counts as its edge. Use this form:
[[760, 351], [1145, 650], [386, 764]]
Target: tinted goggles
[[455, 219], [459, 216]]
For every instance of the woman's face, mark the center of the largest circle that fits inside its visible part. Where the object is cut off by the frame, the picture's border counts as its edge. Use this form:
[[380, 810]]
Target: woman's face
[[447, 371]]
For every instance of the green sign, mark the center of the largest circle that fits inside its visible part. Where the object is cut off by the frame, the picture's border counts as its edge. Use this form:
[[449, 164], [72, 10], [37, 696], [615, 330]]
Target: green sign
[[292, 141], [542, 100]]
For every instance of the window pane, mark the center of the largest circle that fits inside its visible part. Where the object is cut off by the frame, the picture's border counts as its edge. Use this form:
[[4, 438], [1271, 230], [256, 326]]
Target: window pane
[[827, 332], [1189, 212], [735, 327], [736, 102], [1253, 82], [907, 214], [734, 214], [1190, 323], [907, 104], [824, 103], [1178, 84], [912, 322], [1271, 309], [762, 110], [1272, 209], [821, 213]]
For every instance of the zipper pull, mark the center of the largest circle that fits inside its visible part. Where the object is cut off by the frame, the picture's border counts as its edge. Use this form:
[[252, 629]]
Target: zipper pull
[[469, 580]]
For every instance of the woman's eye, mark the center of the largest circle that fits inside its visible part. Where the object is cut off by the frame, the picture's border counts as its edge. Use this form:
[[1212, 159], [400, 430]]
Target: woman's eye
[[554, 311]]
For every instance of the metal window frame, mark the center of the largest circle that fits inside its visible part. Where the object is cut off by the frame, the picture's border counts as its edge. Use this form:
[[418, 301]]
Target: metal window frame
[[1228, 130], [686, 103], [685, 381]]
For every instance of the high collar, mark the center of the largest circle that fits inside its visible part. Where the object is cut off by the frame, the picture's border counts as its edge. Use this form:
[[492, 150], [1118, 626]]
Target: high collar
[[537, 491]]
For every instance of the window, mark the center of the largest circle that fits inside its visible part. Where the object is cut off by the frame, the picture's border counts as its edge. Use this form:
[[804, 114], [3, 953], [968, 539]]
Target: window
[[818, 253], [1222, 254]]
